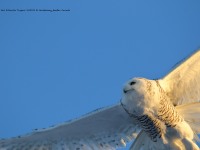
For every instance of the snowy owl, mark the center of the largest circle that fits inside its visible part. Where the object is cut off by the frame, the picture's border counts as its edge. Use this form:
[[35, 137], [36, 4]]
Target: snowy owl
[[161, 114]]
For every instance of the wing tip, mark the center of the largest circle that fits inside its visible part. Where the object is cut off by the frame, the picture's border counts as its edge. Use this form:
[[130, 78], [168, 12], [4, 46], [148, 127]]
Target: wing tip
[[193, 53]]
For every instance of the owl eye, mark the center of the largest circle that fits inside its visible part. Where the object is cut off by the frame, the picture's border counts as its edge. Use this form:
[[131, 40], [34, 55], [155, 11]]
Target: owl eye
[[132, 83]]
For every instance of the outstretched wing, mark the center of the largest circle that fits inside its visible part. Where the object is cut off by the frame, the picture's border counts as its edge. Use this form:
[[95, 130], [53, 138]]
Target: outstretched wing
[[182, 84], [106, 128]]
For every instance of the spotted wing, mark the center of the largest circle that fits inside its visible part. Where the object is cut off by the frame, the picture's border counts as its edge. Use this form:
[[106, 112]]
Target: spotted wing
[[105, 129], [182, 84]]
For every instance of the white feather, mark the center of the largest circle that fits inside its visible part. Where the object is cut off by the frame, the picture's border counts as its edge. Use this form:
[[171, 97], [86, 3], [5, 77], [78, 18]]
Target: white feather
[[102, 129], [142, 142], [191, 114], [182, 83]]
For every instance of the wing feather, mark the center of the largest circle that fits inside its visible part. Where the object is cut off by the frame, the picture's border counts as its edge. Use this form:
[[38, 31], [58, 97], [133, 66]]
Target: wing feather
[[143, 142], [106, 128], [182, 84]]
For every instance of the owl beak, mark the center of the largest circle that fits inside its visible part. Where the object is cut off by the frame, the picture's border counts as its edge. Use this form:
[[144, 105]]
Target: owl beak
[[125, 90]]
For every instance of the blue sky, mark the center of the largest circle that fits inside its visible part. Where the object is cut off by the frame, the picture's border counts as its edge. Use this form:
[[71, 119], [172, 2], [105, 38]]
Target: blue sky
[[55, 66]]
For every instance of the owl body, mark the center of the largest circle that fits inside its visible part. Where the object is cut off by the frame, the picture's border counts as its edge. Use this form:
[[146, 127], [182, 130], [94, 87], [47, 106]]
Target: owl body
[[146, 102]]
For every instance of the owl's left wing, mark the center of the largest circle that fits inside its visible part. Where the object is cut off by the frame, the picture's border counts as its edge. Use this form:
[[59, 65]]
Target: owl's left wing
[[182, 84], [105, 129]]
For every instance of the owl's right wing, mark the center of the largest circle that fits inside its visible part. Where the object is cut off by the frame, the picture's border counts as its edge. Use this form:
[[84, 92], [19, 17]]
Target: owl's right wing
[[182, 84], [105, 129]]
